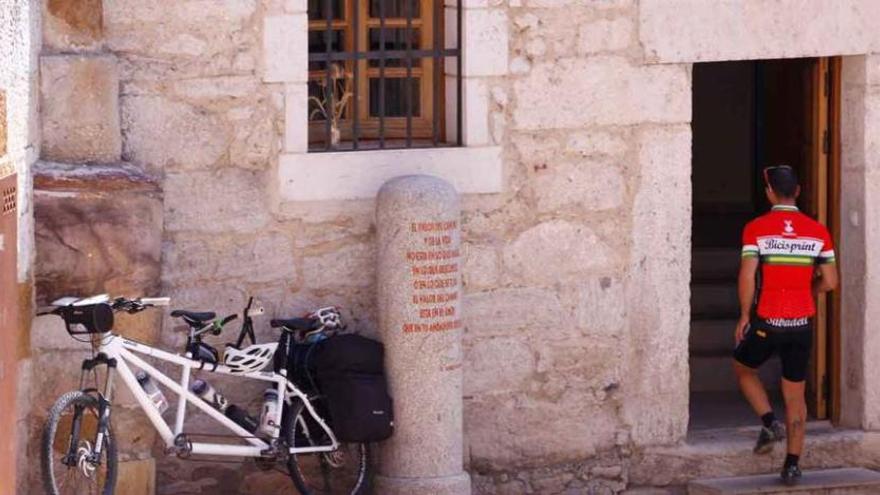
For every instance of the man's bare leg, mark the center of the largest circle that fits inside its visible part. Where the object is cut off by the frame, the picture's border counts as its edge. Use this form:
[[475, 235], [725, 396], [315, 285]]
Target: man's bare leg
[[796, 421], [795, 414], [752, 388]]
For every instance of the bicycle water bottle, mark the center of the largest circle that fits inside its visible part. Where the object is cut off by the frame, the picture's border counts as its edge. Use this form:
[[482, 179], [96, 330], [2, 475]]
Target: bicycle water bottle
[[208, 394], [268, 413], [153, 392]]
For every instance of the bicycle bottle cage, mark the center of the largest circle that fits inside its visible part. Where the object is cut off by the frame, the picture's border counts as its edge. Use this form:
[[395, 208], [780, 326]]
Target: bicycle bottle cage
[[86, 319]]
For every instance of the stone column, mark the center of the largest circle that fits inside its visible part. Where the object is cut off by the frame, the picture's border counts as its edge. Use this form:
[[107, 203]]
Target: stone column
[[419, 297]]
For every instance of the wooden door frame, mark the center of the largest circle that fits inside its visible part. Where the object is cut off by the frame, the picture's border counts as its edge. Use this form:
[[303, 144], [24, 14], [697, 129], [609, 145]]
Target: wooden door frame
[[835, 348]]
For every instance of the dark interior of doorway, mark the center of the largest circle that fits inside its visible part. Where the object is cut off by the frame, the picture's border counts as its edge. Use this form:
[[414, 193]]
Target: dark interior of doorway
[[746, 115]]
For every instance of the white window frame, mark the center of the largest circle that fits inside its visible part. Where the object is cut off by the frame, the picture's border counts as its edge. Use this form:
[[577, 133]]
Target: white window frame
[[475, 167]]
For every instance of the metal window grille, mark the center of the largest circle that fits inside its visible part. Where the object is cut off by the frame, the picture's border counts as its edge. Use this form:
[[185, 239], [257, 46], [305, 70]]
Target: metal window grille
[[371, 63]]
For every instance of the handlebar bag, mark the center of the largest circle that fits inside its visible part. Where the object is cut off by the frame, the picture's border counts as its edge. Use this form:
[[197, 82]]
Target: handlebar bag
[[89, 318]]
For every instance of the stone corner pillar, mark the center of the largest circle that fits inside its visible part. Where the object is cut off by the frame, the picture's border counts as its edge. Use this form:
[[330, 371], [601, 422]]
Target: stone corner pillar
[[419, 302]]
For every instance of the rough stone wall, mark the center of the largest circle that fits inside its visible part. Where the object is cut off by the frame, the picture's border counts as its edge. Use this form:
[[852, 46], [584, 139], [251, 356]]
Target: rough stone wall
[[576, 276]]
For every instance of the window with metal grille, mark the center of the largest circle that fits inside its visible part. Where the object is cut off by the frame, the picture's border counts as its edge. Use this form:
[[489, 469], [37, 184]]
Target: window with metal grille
[[377, 75]]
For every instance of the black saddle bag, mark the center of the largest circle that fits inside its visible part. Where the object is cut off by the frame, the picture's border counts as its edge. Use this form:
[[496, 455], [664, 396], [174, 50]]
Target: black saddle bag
[[351, 377]]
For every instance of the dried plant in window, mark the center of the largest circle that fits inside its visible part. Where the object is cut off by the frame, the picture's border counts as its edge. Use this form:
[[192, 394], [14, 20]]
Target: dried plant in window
[[335, 98]]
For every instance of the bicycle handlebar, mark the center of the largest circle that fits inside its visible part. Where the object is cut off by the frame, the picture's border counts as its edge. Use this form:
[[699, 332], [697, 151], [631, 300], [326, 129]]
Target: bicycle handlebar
[[132, 306]]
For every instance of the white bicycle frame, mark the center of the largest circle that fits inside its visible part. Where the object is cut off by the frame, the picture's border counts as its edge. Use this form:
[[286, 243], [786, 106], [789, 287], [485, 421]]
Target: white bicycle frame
[[124, 352]]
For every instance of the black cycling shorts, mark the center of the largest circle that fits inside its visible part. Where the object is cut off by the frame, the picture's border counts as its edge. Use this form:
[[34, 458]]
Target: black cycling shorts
[[762, 340]]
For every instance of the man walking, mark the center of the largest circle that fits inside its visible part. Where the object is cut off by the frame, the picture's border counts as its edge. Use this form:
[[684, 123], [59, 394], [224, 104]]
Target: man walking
[[787, 245]]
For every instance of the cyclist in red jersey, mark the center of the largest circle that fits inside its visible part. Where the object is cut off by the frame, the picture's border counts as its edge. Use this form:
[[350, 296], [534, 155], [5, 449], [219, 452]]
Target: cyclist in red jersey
[[787, 246]]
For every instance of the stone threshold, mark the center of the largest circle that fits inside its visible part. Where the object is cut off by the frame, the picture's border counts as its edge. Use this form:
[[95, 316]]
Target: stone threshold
[[851, 481], [727, 452]]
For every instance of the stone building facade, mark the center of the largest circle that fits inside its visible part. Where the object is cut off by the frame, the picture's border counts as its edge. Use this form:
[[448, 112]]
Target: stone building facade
[[161, 148]]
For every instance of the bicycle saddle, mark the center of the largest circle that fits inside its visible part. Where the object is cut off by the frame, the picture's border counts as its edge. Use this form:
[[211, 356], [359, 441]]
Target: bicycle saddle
[[296, 323], [198, 318]]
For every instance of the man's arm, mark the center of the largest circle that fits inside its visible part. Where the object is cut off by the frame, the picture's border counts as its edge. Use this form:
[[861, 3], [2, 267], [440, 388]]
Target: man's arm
[[746, 289], [827, 280]]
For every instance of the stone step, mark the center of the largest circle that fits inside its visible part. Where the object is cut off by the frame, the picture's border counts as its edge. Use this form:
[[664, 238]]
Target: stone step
[[715, 373], [714, 300], [725, 452], [715, 264], [711, 337], [849, 481]]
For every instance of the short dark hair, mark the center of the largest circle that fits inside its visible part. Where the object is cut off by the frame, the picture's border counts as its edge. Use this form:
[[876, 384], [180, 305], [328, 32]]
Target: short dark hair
[[783, 180]]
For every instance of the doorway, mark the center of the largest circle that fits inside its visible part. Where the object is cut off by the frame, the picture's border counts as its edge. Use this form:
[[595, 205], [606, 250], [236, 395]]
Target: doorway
[[747, 115]]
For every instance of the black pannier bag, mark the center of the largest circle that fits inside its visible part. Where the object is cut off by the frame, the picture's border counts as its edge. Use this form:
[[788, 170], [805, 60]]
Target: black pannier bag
[[351, 375]]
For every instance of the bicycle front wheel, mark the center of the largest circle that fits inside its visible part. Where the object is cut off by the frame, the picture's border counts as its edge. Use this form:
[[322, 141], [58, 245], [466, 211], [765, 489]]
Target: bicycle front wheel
[[342, 472], [70, 465]]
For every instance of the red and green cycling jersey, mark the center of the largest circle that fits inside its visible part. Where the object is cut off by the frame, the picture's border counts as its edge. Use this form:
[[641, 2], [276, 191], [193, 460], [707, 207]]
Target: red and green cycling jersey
[[789, 245]]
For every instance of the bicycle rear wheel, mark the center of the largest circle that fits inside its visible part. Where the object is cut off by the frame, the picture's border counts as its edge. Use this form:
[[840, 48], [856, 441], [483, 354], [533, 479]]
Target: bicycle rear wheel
[[342, 472], [69, 467]]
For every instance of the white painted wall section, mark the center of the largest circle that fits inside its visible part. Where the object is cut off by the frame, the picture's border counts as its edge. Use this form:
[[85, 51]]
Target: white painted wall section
[[359, 175]]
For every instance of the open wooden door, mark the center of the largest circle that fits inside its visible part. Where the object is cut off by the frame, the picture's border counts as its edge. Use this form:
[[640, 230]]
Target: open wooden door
[[822, 189], [797, 121]]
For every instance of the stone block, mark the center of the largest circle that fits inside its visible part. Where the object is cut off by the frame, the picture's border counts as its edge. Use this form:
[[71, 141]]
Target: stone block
[[579, 92], [504, 430], [481, 267], [586, 364], [698, 31], [49, 333], [507, 311], [137, 477], [599, 143], [219, 32], [163, 133], [103, 233], [484, 358], [583, 185], [71, 25], [657, 288], [606, 35], [485, 43], [556, 251], [80, 108], [348, 266], [55, 373], [285, 48], [599, 306], [263, 257], [135, 434], [226, 200]]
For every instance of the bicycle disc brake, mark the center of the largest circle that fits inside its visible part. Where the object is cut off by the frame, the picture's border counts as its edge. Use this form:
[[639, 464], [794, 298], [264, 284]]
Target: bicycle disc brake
[[84, 454]]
